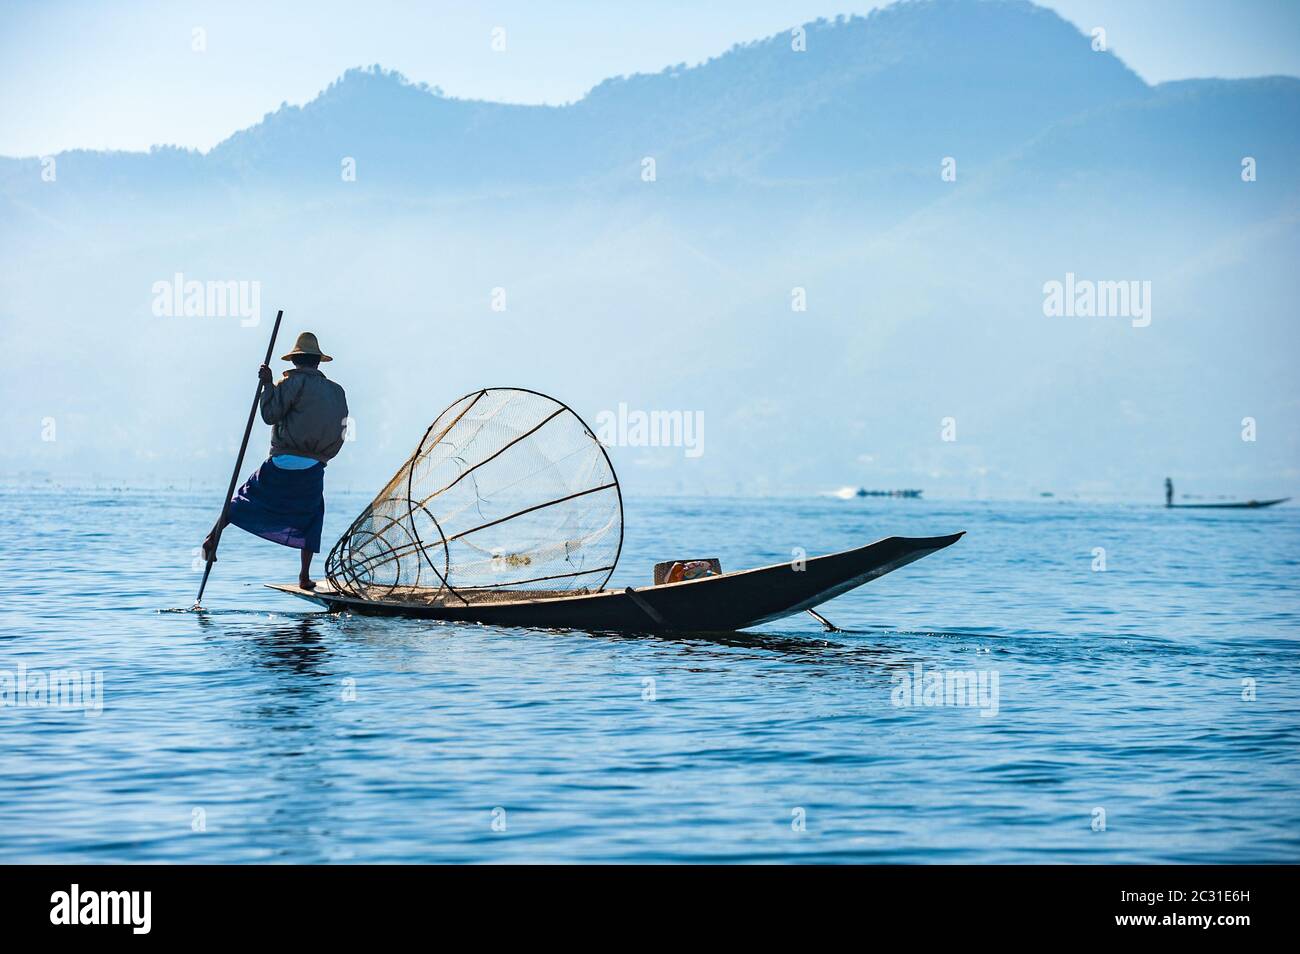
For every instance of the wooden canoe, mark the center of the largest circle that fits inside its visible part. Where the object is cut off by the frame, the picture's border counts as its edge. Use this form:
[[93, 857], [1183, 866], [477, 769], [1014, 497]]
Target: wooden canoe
[[727, 602], [1231, 505]]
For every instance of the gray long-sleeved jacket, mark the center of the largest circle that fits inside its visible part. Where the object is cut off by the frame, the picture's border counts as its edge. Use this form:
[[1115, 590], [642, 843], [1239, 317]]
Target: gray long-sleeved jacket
[[307, 412]]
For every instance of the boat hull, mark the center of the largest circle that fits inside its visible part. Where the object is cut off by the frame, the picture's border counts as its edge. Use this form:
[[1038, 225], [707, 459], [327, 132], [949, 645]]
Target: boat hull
[[1235, 505], [728, 602]]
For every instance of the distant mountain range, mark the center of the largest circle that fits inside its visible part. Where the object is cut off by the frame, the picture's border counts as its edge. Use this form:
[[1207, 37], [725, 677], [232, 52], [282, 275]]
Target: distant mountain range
[[774, 169], [886, 95]]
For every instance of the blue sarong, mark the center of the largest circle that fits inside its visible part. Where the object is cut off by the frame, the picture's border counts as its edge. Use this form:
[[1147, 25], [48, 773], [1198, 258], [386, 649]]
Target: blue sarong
[[283, 506]]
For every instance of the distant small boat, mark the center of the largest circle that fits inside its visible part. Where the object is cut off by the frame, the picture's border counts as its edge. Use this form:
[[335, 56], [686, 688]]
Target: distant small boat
[[1223, 505], [911, 494], [1233, 505]]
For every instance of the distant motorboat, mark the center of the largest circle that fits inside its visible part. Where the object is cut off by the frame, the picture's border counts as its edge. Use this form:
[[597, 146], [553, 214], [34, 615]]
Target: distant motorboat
[[911, 494]]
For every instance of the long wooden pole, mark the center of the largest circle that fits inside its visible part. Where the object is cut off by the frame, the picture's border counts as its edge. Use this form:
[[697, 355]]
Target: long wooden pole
[[239, 465]]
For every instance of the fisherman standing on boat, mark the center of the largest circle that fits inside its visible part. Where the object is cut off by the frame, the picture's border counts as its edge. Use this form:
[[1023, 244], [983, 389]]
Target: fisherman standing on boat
[[1169, 492], [284, 499]]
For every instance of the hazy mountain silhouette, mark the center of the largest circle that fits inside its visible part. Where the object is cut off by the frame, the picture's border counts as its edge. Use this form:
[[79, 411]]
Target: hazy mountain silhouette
[[887, 93], [775, 169]]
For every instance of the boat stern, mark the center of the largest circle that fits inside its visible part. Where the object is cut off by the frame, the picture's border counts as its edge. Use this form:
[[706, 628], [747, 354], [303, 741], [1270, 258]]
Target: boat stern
[[293, 589]]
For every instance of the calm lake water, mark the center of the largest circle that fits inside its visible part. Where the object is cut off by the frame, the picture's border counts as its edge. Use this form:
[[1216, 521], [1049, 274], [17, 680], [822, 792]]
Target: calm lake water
[[1163, 692]]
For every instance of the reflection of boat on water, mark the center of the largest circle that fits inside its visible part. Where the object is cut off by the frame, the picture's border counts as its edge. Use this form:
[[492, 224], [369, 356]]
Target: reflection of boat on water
[[1225, 505]]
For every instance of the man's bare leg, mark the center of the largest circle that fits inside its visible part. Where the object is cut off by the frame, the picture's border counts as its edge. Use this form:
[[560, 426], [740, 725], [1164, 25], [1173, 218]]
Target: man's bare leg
[[304, 575]]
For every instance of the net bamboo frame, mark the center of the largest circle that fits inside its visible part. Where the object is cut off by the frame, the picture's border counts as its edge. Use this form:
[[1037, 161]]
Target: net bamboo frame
[[508, 494]]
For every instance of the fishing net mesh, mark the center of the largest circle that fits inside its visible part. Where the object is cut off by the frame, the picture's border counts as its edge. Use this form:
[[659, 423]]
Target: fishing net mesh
[[509, 490]]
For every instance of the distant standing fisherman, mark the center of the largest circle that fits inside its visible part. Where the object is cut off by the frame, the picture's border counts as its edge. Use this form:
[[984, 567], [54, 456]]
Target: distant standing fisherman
[[1169, 492], [284, 499]]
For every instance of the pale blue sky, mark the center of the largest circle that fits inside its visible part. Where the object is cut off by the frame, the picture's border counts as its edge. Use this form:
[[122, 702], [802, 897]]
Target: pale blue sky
[[123, 75]]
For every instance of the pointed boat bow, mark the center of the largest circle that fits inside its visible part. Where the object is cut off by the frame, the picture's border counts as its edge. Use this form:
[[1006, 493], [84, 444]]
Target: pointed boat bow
[[729, 601]]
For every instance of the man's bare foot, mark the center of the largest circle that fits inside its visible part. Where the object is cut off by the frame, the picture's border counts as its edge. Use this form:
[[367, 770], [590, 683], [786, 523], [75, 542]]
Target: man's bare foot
[[306, 583]]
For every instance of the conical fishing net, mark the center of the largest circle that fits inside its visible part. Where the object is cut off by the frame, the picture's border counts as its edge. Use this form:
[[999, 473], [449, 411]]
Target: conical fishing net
[[509, 490]]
